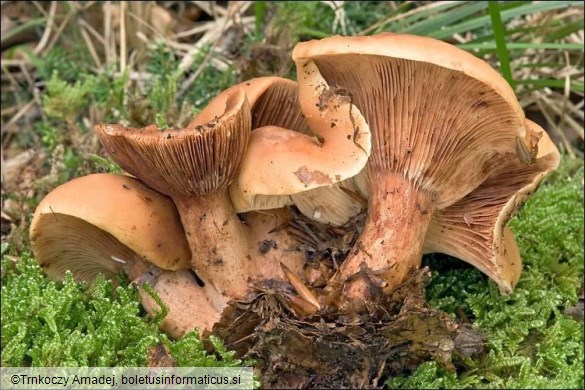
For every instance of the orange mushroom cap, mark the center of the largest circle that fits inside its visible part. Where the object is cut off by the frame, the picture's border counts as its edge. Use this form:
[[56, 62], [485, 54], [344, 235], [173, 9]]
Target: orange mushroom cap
[[106, 223]]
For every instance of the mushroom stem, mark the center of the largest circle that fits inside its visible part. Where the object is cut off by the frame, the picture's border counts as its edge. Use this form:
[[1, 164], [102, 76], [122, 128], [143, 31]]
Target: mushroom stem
[[391, 245], [190, 305], [218, 241]]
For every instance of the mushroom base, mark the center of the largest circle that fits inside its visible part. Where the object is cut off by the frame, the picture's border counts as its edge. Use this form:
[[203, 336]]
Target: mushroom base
[[330, 351], [189, 306], [192, 306], [391, 244]]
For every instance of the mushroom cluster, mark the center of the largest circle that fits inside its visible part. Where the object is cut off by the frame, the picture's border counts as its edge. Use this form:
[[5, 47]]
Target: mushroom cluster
[[425, 138]]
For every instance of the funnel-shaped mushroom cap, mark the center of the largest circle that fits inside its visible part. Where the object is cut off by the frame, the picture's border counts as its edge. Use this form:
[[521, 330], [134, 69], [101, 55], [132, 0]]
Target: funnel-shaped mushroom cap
[[273, 101], [474, 228], [197, 160], [293, 162], [106, 223], [439, 116]]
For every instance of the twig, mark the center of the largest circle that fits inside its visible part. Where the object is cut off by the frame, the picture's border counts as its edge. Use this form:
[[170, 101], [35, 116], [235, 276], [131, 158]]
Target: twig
[[91, 30], [19, 114], [70, 15], [107, 31], [90, 46], [123, 52], [201, 27], [337, 7], [213, 35], [4, 65], [564, 117], [7, 128], [47, 33], [189, 58], [191, 79], [210, 8], [89, 4], [26, 74], [10, 110]]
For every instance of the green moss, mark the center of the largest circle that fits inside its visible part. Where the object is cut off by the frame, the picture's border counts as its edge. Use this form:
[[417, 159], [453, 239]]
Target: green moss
[[103, 165], [47, 323], [531, 343], [65, 100], [71, 63]]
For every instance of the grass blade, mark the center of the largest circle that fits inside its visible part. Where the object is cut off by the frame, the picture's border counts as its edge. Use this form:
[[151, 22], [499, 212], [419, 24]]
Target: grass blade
[[21, 28], [484, 20], [500, 37], [259, 11], [439, 20], [552, 83]]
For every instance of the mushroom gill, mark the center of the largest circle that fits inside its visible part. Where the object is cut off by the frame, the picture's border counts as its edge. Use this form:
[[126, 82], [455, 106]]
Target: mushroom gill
[[442, 123], [474, 228]]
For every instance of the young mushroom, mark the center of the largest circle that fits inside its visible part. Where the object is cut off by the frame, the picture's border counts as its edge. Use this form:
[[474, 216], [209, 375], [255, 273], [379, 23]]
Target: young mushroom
[[305, 136], [442, 122], [106, 224]]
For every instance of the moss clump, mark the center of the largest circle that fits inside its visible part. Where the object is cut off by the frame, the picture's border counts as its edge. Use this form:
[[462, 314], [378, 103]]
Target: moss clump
[[47, 323], [531, 343]]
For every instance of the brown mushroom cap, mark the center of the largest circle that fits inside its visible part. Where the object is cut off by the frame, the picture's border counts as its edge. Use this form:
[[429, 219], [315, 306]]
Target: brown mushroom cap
[[106, 223], [438, 115], [197, 160], [294, 162], [474, 228]]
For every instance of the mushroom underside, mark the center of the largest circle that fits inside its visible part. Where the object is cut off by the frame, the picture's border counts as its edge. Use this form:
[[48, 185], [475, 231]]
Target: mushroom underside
[[56, 244]]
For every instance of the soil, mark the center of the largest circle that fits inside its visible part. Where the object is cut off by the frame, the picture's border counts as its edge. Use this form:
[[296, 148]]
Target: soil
[[329, 350]]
